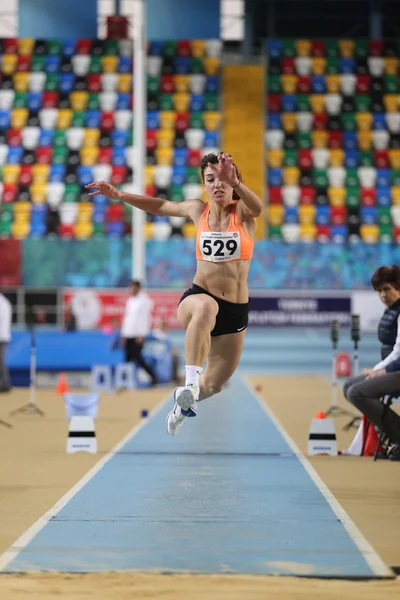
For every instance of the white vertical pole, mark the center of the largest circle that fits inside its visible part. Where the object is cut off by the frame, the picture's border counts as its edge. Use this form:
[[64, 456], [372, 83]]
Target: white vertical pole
[[139, 132]]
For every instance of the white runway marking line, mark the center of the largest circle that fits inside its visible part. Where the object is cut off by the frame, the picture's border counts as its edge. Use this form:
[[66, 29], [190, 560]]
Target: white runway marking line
[[16, 548], [370, 555]]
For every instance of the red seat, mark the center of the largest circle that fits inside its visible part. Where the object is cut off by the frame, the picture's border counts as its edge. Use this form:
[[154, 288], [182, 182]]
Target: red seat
[[368, 196], [114, 213], [107, 121], [151, 139], [168, 84], [305, 159], [50, 99], [363, 84], [150, 190], [307, 195], [84, 46], [24, 63], [44, 154], [335, 139], [381, 158], [25, 176], [304, 84], [396, 234], [338, 215], [274, 103], [323, 233], [375, 47], [14, 137], [318, 49], [275, 195], [194, 158], [288, 66], [10, 192], [105, 155], [320, 121], [66, 231], [182, 122], [118, 175], [184, 48], [94, 82], [10, 46]]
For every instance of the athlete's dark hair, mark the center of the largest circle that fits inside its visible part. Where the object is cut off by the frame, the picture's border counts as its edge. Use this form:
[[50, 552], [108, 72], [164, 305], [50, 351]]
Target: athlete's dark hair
[[389, 275], [213, 159]]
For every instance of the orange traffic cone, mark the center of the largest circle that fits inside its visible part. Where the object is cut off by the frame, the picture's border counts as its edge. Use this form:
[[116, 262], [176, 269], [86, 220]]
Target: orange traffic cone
[[320, 415], [62, 384]]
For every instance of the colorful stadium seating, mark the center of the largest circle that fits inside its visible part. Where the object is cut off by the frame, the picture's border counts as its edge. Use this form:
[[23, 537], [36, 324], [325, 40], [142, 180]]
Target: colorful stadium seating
[[333, 140]]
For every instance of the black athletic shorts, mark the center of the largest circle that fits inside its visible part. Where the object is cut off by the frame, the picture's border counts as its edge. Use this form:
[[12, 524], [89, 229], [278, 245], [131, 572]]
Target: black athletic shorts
[[231, 318]]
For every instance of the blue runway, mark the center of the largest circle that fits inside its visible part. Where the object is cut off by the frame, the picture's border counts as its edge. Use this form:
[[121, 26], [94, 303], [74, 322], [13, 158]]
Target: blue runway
[[227, 495]]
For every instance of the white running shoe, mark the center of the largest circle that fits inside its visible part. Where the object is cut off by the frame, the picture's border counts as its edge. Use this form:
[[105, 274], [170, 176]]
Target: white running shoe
[[185, 404]]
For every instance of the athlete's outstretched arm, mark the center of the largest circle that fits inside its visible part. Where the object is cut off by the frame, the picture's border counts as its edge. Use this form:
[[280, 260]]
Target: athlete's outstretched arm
[[154, 206]]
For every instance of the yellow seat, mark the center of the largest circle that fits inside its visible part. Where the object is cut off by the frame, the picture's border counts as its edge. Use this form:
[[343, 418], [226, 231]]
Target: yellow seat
[[91, 137], [198, 48], [391, 65], [19, 117], [40, 173], [289, 83], [164, 156], [9, 64], [336, 157], [394, 159], [364, 121], [307, 214], [318, 65], [395, 194], [189, 230], [79, 101], [25, 46], [337, 196], [369, 233], [308, 232], [291, 175], [165, 138], [167, 119], [22, 211], [211, 65], [289, 122], [211, 120], [109, 64], [181, 83], [346, 48], [303, 47], [38, 192], [149, 175], [333, 84], [319, 139], [317, 102], [124, 83], [275, 214], [83, 230], [391, 102], [89, 155], [11, 174], [20, 230], [364, 140], [148, 231], [64, 118], [181, 101], [275, 158], [21, 82]]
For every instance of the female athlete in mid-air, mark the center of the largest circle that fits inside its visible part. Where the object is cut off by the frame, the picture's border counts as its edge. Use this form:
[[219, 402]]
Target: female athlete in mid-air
[[214, 311]]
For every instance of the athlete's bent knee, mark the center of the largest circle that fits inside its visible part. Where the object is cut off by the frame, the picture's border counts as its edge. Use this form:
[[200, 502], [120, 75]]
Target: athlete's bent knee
[[212, 388], [205, 311]]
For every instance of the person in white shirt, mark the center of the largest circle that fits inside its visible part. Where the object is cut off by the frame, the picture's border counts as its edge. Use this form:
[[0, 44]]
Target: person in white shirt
[[5, 336], [136, 326]]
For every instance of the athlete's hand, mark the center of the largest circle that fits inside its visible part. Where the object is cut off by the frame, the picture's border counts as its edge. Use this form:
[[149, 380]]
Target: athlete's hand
[[376, 373], [367, 371], [102, 187], [225, 169]]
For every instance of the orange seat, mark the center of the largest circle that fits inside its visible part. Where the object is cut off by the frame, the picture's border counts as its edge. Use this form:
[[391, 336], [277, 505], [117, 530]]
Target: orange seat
[[40, 173], [291, 175], [333, 84], [211, 65], [391, 102], [64, 118], [303, 47], [275, 158], [181, 101], [211, 119], [336, 157], [165, 138], [318, 66], [317, 102], [319, 139], [9, 63], [181, 83], [289, 83], [346, 48], [337, 196], [91, 137], [21, 81], [289, 122], [167, 119], [109, 64], [307, 214], [394, 159], [25, 46], [308, 232], [198, 48], [391, 65], [364, 140], [275, 214], [164, 156], [79, 101], [364, 121], [125, 83]]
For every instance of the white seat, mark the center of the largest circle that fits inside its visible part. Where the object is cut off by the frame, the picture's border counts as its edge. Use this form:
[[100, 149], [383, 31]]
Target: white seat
[[291, 233], [367, 176], [6, 99], [393, 122], [376, 65], [177, 222], [274, 139], [395, 212], [303, 65], [80, 64], [108, 101], [291, 195], [192, 191], [55, 193], [336, 176], [125, 47], [101, 378], [304, 121], [333, 103], [194, 138], [30, 137], [197, 83], [123, 119], [3, 153], [380, 139], [102, 172], [320, 157], [68, 213], [130, 155], [162, 230], [348, 84], [75, 137], [109, 82], [48, 118], [37, 81], [153, 65], [214, 48], [162, 175], [211, 150], [124, 376]]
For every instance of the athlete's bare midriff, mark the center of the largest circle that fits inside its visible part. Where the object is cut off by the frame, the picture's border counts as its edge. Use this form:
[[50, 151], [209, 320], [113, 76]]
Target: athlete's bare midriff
[[226, 281]]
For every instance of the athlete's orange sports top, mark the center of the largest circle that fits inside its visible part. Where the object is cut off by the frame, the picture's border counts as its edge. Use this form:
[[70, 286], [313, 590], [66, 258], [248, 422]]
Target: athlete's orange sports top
[[223, 246]]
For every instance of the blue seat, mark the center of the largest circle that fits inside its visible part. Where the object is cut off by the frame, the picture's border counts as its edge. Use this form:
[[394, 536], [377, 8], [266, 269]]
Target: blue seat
[[93, 119], [379, 121], [339, 233], [182, 65], [211, 139], [156, 48], [123, 101], [5, 119], [69, 47], [37, 230], [46, 137], [274, 121], [52, 63], [14, 155], [180, 157], [160, 219], [383, 196], [119, 157], [100, 203], [351, 158], [178, 175], [350, 141], [85, 175], [383, 177], [39, 209], [289, 103], [66, 82], [35, 100], [322, 215], [57, 174], [275, 177], [125, 64], [153, 119], [99, 217], [196, 103], [318, 84], [212, 84], [369, 215], [274, 48], [115, 229], [119, 139], [346, 66], [291, 215]]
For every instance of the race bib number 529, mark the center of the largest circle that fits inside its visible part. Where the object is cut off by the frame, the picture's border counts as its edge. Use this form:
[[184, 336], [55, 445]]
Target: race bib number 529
[[220, 246]]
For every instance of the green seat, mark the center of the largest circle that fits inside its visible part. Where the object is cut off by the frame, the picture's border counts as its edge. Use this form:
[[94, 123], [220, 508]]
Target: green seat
[[348, 121], [153, 84], [71, 192], [95, 65], [54, 46], [20, 99], [37, 64], [5, 229], [289, 48], [169, 48], [361, 49], [303, 139], [93, 101], [6, 216], [303, 103], [78, 119], [111, 47], [332, 49], [332, 66], [60, 155], [386, 233], [176, 193], [320, 178], [290, 158], [166, 102], [395, 177], [131, 137], [51, 84], [353, 197], [362, 103], [274, 84], [197, 66], [351, 178], [98, 230], [275, 233], [384, 215], [196, 120], [391, 84], [60, 138], [193, 175], [211, 102], [366, 158]]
